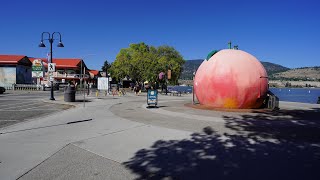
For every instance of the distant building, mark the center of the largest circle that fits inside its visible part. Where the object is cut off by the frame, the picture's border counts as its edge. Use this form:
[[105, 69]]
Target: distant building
[[15, 69], [94, 74], [67, 69]]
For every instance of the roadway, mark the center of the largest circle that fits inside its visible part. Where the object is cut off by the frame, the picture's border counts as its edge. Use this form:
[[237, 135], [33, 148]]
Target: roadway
[[19, 106]]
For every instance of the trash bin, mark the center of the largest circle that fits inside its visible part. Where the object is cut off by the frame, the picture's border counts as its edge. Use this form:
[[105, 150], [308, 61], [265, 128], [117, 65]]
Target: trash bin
[[70, 94], [56, 86]]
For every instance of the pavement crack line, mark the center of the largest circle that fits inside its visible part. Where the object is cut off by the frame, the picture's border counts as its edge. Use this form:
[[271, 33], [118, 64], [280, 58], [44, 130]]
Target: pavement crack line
[[43, 161], [29, 129], [73, 143], [95, 153], [114, 132]]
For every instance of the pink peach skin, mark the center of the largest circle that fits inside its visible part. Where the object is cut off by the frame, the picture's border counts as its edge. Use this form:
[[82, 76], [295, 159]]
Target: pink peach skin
[[231, 79]]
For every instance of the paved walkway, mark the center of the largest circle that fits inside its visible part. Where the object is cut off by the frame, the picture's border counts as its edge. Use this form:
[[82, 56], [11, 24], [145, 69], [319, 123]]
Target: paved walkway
[[119, 138]]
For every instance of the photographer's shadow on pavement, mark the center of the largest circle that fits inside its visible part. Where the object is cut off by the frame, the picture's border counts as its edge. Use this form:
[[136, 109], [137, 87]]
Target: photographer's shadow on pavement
[[265, 145]]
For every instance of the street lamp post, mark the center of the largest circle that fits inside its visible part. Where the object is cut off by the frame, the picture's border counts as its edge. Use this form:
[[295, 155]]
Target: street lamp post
[[50, 39]]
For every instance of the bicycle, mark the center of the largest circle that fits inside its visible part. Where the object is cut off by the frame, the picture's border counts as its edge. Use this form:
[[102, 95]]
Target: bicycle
[[122, 92], [114, 92]]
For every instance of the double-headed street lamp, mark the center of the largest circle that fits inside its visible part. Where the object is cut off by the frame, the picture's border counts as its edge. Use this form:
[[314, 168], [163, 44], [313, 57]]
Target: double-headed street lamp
[[50, 39]]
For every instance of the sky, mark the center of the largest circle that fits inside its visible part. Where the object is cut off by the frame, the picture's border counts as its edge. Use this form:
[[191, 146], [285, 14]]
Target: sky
[[286, 32]]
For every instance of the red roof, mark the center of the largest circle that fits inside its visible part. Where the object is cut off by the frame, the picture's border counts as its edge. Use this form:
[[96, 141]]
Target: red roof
[[61, 62], [10, 59], [67, 62], [94, 72]]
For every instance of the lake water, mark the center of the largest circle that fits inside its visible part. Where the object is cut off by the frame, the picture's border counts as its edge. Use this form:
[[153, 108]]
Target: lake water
[[186, 89], [304, 95]]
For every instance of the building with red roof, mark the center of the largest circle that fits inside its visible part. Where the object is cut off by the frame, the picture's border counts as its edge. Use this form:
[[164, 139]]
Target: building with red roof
[[15, 69], [94, 75], [67, 69], [12, 59]]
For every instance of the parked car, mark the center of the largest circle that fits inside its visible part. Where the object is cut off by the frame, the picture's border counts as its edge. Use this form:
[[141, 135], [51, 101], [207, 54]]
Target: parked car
[[2, 90]]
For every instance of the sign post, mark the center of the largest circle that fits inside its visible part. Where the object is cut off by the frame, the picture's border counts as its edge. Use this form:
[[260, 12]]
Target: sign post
[[152, 97], [37, 70], [51, 67]]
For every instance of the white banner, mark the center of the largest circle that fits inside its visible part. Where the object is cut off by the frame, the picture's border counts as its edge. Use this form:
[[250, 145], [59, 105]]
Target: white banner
[[103, 83], [37, 74]]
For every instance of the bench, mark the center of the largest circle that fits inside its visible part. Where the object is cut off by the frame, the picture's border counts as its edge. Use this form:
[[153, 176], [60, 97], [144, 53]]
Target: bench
[[177, 93]]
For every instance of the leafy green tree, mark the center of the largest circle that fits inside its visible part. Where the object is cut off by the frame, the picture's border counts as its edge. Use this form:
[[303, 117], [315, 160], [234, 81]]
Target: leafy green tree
[[169, 58], [142, 62], [106, 66]]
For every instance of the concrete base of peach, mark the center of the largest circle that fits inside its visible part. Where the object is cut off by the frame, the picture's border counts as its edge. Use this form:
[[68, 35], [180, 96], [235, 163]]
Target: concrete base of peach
[[205, 107]]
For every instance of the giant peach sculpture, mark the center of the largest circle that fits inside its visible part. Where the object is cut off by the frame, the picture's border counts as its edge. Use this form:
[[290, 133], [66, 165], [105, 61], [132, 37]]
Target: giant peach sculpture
[[231, 79]]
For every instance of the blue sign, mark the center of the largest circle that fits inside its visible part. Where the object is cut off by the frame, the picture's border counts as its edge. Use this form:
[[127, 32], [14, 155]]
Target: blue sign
[[152, 97]]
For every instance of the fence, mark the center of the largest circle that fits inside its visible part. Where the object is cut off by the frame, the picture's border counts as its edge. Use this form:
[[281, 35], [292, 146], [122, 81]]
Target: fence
[[35, 87], [24, 87], [8, 87]]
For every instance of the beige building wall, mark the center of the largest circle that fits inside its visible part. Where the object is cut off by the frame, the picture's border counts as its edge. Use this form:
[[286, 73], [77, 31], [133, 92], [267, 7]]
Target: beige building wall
[[7, 76]]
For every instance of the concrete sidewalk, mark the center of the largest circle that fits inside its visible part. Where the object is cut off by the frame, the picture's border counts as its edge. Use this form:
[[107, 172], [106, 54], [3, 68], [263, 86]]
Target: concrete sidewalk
[[26, 145], [119, 138]]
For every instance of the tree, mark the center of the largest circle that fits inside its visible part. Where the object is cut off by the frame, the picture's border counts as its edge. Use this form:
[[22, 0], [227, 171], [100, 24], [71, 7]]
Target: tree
[[142, 62], [105, 66], [169, 58]]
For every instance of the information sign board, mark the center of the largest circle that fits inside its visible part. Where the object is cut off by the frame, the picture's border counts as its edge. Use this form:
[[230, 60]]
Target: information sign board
[[37, 68], [152, 97], [103, 83]]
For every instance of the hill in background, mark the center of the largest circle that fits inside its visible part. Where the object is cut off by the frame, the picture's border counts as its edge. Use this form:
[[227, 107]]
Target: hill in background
[[192, 65], [299, 74], [189, 67]]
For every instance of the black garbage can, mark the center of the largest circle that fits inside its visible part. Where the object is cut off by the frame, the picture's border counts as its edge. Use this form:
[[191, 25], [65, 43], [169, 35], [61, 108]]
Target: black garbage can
[[70, 94]]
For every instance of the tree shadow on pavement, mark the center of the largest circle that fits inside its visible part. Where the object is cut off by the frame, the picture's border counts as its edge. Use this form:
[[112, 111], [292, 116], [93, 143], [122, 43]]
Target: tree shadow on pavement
[[264, 145]]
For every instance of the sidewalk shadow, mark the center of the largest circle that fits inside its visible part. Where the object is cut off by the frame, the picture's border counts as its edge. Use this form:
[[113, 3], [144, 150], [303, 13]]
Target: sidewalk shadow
[[269, 145], [81, 100]]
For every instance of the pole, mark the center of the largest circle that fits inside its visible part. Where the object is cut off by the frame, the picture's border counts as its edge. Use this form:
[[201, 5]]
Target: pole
[[107, 80], [193, 88], [51, 41], [229, 44], [80, 78], [166, 75], [84, 94]]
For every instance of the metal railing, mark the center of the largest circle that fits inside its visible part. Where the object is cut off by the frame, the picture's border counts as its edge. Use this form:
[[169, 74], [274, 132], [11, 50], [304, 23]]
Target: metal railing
[[65, 75], [26, 87], [8, 87]]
